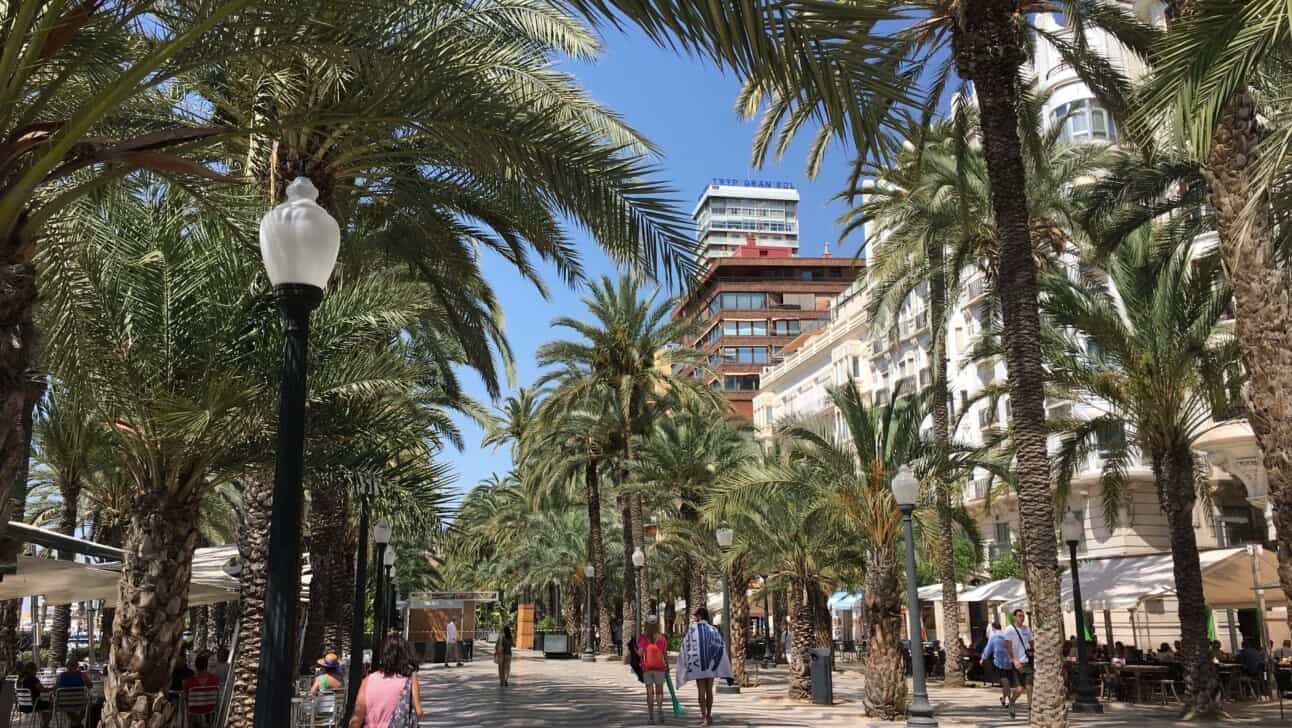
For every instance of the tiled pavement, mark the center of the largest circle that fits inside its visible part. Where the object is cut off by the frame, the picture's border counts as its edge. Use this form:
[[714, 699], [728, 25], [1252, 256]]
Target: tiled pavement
[[573, 694]]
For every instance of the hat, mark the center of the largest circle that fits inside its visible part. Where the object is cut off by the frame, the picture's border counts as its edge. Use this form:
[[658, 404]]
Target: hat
[[330, 661]]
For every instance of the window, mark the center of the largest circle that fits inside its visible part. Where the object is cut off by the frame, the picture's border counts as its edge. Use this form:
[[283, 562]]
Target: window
[[744, 355], [1084, 121], [738, 301], [1110, 435], [856, 367], [740, 383], [1002, 535], [744, 328], [792, 327]]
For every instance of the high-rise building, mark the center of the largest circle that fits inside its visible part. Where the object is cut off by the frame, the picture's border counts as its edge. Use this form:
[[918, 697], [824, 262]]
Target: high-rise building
[[733, 213]]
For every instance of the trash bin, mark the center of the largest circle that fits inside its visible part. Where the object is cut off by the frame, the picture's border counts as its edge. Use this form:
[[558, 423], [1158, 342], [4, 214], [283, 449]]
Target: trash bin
[[822, 680]]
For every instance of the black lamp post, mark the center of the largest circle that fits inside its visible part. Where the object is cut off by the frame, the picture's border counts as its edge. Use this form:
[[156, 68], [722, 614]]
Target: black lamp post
[[725, 537], [388, 597], [299, 242], [1086, 700], [589, 654], [392, 606], [368, 481], [906, 490], [380, 537]]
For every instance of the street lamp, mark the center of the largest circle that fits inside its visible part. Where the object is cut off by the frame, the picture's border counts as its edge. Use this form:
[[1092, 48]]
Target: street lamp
[[906, 490], [725, 537], [380, 537], [299, 242], [392, 603], [589, 654], [368, 482], [1086, 700], [639, 561]]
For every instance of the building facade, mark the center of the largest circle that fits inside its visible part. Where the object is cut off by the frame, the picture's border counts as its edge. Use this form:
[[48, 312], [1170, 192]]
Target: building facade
[[733, 213], [849, 348]]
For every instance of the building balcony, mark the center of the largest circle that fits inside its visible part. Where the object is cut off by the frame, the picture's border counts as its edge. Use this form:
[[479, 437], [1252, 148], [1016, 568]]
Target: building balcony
[[977, 489], [913, 325], [975, 289]]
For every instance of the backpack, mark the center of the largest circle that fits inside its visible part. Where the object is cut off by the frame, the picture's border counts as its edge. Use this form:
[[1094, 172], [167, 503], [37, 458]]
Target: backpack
[[653, 658]]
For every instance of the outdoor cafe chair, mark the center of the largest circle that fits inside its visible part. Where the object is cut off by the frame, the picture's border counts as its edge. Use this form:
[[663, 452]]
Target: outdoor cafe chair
[[71, 706], [24, 709], [202, 699]]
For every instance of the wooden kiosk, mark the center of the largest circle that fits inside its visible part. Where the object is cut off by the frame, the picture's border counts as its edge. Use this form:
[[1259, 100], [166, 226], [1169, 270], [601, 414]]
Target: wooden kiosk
[[427, 618]]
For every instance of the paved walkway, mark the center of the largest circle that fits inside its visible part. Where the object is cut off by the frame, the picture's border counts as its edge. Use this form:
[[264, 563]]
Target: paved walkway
[[574, 694]]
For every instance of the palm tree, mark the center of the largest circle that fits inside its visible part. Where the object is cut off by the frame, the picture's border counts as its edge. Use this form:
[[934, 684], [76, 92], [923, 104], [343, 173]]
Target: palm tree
[[1207, 79], [85, 104], [621, 351], [781, 531], [1158, 359]]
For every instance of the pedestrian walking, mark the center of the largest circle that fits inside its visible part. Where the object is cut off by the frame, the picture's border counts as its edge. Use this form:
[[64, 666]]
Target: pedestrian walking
[[996, 657], [388, 697], [502, 656], [329, 677], [703, 658], [1018, 638], [452, 647], [653, 648]]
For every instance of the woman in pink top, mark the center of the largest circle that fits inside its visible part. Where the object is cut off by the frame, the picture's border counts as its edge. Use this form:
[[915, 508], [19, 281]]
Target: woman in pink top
[[386, 687]]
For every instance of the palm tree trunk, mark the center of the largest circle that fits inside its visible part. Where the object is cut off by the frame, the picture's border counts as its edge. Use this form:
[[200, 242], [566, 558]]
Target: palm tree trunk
[[570, 616], [152, 600], [938, 397], [822, 626], [885, 678], [1262, 302], [253, 553], [739, 619], [9, 548], [70, 495], [330, 585], [802, 637], [597, 547], [17, 341], [630, 576], [1173, 473], [779, 612], [989, 50]]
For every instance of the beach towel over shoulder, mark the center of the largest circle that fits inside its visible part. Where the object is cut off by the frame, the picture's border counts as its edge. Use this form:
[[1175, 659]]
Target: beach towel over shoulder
[[703, 655]]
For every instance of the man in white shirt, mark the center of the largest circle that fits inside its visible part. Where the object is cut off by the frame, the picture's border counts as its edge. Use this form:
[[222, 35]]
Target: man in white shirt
[[452, 648], [1019, 639]]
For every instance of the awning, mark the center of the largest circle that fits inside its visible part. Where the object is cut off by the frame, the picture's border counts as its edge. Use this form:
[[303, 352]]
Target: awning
[[843, 601], [1122, 582], [933, 592], [63, 582], [1001, 590]]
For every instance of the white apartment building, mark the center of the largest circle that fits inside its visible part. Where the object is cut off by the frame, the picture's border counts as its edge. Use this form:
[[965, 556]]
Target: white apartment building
[[733, 212], [879, 361]]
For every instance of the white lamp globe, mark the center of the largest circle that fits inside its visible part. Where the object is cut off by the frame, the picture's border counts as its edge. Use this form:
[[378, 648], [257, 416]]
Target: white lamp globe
[[299, 240], [589, 571], [906, 489], [1071, 528], [381, 532], [389, 558], [725, 537], [639, 558]]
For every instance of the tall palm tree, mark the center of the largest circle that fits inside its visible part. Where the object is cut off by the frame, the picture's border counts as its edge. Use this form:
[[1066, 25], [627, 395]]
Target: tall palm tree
[[1207, 76], [1154, 354], [622, 350]]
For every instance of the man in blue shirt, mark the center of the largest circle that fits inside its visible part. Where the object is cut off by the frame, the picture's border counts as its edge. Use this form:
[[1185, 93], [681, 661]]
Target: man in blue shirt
[[997, 652]]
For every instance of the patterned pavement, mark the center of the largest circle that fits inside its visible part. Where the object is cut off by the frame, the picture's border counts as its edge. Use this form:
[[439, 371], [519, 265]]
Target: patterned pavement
[[574, 694]]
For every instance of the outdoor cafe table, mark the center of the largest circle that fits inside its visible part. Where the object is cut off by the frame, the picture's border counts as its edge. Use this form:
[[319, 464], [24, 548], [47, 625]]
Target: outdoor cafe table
[[1141, 674]]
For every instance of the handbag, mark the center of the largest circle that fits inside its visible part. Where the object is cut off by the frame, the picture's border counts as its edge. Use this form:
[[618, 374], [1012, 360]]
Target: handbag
[[404, 717]]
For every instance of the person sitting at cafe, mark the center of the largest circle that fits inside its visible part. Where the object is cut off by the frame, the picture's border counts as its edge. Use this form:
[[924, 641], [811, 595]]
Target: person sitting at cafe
[[1164, 653], [1120, 658], [1218, 654], [1252, 659], [32, 684], [72, 678], [202, 677], [1285, 652]]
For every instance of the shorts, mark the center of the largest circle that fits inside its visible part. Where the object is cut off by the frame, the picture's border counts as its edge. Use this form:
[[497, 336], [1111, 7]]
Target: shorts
[[652, 677], [1016, 678]]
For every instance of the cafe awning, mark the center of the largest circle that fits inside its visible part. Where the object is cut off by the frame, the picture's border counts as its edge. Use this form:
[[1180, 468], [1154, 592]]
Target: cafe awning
[[933, 592], [1001, 590], [1123, 582]]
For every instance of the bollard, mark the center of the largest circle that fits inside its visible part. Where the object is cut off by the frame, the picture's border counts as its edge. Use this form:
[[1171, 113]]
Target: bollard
[[822, 680]]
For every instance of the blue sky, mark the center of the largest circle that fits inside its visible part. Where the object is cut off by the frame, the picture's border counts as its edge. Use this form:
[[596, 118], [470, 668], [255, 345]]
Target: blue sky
[[686, 108]]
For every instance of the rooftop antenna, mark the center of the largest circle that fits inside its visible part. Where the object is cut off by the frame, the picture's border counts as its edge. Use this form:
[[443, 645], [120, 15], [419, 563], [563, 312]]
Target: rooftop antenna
[[826, 253]]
